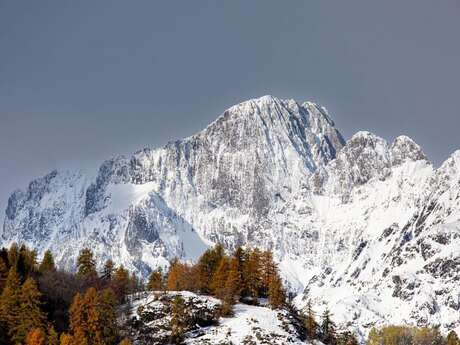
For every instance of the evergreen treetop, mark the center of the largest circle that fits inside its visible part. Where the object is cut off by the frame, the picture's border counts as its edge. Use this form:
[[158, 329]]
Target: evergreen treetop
[[47, 263], [86, 265]]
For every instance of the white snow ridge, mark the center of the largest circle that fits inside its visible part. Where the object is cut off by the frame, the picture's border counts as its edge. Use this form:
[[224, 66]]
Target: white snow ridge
[[371, 228]]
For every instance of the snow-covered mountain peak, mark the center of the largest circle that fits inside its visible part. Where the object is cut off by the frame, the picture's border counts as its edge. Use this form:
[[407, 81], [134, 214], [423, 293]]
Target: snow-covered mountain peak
[[283, 128], [269, 107], [363, 135], [365, 156], [265, 99], [280, 112], [452, 161], [404, 148], [365, 139], [366, 151], [448, 174]]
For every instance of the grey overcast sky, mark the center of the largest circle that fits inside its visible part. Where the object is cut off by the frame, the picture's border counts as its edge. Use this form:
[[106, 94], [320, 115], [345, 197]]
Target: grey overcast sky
[[81, 81]]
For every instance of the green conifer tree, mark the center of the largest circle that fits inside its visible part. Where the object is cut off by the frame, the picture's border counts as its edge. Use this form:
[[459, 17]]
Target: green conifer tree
[[328, 331], [311, 325], [108, 270], [178, 322], [347, 338], [26, 262], [86, 266]]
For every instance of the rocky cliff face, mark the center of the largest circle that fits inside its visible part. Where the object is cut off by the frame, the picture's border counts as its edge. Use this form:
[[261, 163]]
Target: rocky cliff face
[[368, 226]]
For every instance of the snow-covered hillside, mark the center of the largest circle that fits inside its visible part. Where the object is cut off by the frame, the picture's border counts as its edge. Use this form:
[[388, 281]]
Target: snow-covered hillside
[[250, 325], [369, 227], [149, 320]]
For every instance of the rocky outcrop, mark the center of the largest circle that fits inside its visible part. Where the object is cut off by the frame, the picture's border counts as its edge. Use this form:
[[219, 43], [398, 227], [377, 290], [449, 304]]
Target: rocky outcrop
[[148, 321]]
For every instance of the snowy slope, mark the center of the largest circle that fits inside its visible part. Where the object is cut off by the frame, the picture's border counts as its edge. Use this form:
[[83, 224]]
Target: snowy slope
[[151, 316], [369, 227], [250, 325]]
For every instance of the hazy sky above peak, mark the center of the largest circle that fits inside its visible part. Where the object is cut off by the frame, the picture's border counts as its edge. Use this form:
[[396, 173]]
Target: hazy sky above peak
[[82, 81]]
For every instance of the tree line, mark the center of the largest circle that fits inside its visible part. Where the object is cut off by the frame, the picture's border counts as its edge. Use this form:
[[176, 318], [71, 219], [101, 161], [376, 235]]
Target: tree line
[[322, 327], [404, 335], [42, 305], [246, 275], [327, 332]]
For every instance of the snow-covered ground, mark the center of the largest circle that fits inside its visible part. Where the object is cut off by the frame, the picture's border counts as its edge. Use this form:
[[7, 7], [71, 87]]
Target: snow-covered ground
[[250, 325]]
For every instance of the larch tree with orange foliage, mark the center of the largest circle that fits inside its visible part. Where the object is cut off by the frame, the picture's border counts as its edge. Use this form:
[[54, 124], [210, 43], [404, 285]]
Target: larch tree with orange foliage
[[78, 314], [267, 271], [95, 325], [93, 318], [10, 302], [3, 273], [36, 336], [252, 276], [30, 314], [66, 339], [276, 293], [179, 277], [232, 287], [220, 277], [156, 282], [53, 337], [120, 282], [207, 265]]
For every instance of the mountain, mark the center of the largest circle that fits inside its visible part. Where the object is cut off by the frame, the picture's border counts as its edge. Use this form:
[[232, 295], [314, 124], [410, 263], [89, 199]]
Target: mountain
[[371, 228]]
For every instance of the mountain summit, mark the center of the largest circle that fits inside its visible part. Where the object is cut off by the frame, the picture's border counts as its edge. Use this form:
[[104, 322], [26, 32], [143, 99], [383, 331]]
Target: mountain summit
[[371, 228]]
